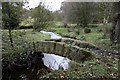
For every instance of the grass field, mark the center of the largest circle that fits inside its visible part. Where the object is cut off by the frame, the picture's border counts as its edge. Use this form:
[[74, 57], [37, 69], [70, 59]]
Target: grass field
[[27, 35], [96, 37]]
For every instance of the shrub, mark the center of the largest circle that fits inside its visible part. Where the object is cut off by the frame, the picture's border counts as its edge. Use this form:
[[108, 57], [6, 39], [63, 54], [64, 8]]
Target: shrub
[[70, 29], [26, 27], [93, 25], [82, 38], [87, 30], [100, 30]]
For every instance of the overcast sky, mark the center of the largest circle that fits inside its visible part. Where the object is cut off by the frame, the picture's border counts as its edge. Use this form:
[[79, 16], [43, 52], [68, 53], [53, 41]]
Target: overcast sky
[[52, 4]]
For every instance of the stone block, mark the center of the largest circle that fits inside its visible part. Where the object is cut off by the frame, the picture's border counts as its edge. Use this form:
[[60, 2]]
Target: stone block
[[83, 44], [86, 53], [39, 46], [46, 47], [59, 48], [51, 46], [67, 50], [74, 52], [68, 41]]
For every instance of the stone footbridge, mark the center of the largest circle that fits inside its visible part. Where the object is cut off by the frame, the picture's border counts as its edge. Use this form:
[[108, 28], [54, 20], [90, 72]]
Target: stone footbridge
[[62, 49], [73, 42]]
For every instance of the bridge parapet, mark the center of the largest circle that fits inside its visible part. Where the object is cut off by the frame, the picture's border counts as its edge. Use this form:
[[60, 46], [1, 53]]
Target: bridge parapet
[[73, 42]]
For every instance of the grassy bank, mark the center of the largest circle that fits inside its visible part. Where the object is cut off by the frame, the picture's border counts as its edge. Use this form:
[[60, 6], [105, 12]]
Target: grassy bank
[[20, 39], [97, 35], [25, 34], [100, 66]]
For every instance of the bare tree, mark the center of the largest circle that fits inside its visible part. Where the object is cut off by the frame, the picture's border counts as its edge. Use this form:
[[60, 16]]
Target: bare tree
[[78, 12]]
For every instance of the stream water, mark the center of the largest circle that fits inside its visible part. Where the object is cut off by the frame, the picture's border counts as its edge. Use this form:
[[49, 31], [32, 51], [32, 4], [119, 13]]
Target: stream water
[[54, 61], [53, 35]]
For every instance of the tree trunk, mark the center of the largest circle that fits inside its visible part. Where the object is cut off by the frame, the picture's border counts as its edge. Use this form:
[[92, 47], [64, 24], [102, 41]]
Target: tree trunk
[[10, 37], [117, 34], [112, 31], [115, 31], [105, 20], [65, 25]]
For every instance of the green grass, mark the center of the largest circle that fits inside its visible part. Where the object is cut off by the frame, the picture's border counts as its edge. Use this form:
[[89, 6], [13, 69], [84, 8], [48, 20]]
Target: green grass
[[27, 35], [27, 22], [60, 30], [98, 66], [36, 36], [59, 24], [95, 37], [91, 37], [20, 37]]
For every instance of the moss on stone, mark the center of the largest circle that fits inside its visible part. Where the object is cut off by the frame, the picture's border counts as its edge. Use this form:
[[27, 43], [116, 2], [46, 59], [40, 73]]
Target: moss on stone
[[51, 44], [59, 47], [86, 53], [57, 40], [66, 50]]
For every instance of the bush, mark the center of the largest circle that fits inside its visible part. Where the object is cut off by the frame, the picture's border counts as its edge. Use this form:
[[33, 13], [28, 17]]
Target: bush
[[82, 38], [100, 30], [93, 25], [70, 29], [87, 30], [26, 27]]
